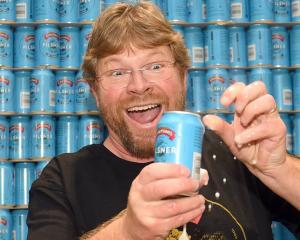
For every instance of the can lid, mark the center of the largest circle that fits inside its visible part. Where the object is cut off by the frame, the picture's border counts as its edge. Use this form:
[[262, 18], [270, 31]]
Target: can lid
[[183, 112]]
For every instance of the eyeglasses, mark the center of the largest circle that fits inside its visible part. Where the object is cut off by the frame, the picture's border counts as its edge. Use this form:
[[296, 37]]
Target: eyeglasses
[[151, 72]]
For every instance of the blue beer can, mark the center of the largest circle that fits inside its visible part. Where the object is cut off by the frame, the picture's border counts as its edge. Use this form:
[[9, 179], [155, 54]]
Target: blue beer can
[[5, 224], [84, 38], [262, 74], [289, 131], [295, 10], [67, 134], [7, 184], [42, 91], [276, 230], [196, 12], [218, 10], [7, 82], [6, 46], [47, 48], [217, 80], [179, 29], [261, 11], [69, 51], [259, 47], [177, 10], [46, 10], [280, 47], [237, 47], [24, 47], [19, 229], [19, 138], [84, 100], [287, 234], [179, 138], [282, 89], [216, 46], [64, 95], [24, 10], [282, 11], [295, 46], [239, 11], [7, 10], [194, 41], [89, 10], [40, 167], [197, 81], [25, 176], [296, 89], [4, 138], [22, 92], [91, 130], [296, 135], [68, 11], [237, 75], [43, 137]]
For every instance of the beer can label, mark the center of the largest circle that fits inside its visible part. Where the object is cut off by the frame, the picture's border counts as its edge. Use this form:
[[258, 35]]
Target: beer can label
[[7, 185]]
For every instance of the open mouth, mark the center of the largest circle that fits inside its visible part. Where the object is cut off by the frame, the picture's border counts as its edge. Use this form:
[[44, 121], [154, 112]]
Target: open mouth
[[144, 114]]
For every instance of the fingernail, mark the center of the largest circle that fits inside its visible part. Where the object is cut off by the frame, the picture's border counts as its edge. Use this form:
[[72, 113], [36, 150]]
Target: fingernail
[[196, 220]]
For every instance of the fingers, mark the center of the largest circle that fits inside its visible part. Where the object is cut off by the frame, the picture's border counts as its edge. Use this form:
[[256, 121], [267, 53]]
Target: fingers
[[231, 93]]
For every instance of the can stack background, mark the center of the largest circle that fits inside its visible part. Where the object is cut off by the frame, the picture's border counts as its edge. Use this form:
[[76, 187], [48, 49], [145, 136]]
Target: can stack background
[[42, 89]]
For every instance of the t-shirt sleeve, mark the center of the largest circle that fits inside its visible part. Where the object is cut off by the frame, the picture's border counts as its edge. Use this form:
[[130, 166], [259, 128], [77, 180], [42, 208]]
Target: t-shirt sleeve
[[50, 215]]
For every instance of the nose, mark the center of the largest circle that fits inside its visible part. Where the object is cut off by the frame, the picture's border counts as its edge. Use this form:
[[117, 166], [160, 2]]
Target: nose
[[138, 85]]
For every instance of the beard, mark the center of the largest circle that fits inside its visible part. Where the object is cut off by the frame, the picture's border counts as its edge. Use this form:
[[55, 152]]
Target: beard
[[139, 144]]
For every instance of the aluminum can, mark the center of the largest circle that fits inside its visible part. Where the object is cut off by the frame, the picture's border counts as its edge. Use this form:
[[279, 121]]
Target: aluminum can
[[24, 10], [179, 29], [295, 10], [198, 93], [39, 167], [218, 10], [261, 11], [46, 10], [179, 138], [4, 136], [280, 47], [84, 99], [217, 80], [296, 89], [6, 46], [196, 12], [282, 89], [262, 74], [20, 229], [69, 51], [47, 46], [19, 138], [24, 47], [5, 224], [7, 184], [89, 10], [25, 175], [282, 11], [295, 46], [7, 82], [22, 92], [237, 75], [7, 10], [194, 42], [68, 11], [65, 96], [91, 130], [42, 91], [259, 47], [276, 230], [67, 134], [239, 11], [177, 10], [216, 46], [287, 235], [84, 38], [296, 135], [289, 131], [43, 137], [237, 47]]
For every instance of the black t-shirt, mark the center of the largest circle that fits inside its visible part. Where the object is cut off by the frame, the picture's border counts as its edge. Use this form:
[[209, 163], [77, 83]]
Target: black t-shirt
[[77, 192]]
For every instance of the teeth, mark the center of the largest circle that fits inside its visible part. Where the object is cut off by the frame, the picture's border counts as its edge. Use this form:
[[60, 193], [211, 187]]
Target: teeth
[[142, 108]]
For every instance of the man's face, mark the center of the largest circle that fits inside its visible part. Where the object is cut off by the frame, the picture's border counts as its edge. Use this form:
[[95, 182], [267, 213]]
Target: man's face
[[132, 113]]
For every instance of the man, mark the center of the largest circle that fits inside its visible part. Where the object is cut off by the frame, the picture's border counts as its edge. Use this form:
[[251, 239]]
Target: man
[[137, 66]]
